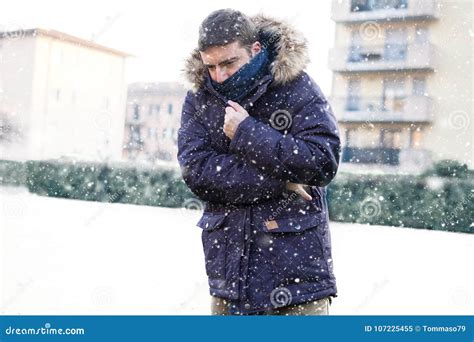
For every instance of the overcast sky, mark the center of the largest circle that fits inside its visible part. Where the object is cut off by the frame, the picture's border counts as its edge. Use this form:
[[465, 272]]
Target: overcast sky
[[161, 34]]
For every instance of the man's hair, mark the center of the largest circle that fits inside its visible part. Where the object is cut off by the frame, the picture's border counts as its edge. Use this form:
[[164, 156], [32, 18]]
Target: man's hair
[[226, 26]]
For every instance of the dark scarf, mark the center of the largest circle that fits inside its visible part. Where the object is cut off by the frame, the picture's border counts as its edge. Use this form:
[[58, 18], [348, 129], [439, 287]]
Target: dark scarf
[[239, 84]]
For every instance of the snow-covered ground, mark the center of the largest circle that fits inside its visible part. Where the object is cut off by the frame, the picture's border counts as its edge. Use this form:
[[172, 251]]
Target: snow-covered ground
[[70, 257]]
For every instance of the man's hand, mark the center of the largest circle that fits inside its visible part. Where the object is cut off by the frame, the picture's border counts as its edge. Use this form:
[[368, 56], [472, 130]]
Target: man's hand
[[234, 115], [298, 188]]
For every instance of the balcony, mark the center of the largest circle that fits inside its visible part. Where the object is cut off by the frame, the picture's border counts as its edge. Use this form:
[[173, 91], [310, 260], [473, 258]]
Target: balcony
[[388, 57], [352, 11], [379, 109], [409, 159], [378, 155]]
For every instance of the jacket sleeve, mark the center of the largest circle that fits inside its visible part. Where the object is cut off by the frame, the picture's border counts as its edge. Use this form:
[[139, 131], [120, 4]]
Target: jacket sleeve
[[218, 177], [308, 153]]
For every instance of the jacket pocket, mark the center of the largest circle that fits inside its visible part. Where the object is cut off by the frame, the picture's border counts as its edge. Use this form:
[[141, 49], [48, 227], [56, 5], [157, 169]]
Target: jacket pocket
[[296, 247], [214, 241]]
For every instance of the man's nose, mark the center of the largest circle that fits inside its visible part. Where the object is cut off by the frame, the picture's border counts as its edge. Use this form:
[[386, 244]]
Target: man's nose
[[221, 74]]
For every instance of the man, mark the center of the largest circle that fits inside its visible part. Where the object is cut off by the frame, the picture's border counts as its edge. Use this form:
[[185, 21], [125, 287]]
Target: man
[[258, 143]]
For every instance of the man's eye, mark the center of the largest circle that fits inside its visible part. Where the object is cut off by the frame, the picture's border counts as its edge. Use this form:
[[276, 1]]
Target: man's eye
[[211, 67]]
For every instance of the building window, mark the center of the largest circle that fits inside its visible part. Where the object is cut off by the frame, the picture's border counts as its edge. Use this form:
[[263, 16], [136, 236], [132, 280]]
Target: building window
[[390, 138], [174, 133], [351, 138], [356, 51], [152, 133], [136, 112], [170, 108], [167, 133], [361, 52], [419, 86], [153, 109], [58, 95], [135, 135], [347, 137], [359, 5], [416, 138], [395, 45], [374, 5], [394, 95], [353, 98]]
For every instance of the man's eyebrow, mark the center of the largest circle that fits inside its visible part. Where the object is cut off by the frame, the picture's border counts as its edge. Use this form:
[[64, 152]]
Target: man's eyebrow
[[226, 61]]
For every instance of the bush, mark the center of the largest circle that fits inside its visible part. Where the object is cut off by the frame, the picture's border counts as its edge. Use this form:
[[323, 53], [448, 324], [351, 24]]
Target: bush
[[106, 183], [12, 173], [449, 168], [406, 201], [427, 201]]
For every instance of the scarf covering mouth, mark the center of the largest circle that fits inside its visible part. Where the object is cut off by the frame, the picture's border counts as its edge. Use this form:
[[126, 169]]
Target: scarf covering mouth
[[240, 83]]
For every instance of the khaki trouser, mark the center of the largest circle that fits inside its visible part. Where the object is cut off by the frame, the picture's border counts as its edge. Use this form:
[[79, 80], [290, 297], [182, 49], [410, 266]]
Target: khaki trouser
[[320, 307]]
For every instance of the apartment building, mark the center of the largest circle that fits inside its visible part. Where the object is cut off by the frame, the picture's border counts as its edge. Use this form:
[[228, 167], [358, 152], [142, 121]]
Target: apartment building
[[402, 82], [60, 97], [152, 122]]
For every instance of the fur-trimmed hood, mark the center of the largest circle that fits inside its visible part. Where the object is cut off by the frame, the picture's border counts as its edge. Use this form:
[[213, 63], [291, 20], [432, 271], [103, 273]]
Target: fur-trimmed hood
[[289, 46]]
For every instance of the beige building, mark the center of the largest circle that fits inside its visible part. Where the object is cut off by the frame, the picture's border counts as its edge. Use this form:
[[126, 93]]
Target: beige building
[[402, 84], [60, 97], [153, 120]]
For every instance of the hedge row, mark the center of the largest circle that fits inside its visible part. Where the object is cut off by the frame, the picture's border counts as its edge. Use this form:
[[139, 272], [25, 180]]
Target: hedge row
[[12, 173], [407, 201], [105, 183], [426, 201]]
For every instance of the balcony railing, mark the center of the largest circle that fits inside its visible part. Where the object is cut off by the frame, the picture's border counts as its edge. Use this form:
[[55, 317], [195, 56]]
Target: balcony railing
[[369, 10], [379, 155], [377, 5], [408, 158], [417, 56], [380, 109]]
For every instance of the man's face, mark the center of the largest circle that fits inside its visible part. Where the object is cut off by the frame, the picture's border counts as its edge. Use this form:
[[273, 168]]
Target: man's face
[[225, 60]]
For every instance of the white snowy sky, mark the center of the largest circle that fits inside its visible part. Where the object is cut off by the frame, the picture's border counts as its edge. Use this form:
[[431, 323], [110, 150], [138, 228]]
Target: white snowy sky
[[161, 34]]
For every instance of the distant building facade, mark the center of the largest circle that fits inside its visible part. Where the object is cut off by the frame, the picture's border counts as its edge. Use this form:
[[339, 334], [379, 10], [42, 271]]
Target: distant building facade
[[402, 84], [60, 97], [152, 122]]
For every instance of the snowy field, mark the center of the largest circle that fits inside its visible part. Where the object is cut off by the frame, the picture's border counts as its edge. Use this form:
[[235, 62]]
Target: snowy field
[[69, 257]]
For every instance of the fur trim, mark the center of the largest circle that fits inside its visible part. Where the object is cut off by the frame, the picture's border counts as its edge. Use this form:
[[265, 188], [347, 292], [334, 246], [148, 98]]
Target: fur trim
[[290, 46]]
